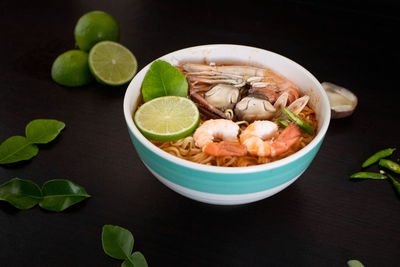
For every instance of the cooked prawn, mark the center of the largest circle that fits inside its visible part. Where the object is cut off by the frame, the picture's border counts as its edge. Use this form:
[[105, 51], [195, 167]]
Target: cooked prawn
[[232, 71], [258, 137], [207, 135], [262, 80], [273, 85]]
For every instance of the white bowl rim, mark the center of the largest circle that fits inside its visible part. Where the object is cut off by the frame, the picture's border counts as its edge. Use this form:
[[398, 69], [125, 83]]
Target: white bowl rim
[[217, 169]]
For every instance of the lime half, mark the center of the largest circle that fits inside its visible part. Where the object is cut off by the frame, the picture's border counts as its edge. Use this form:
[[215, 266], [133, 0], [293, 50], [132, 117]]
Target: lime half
[[112, 63], [167, 118]]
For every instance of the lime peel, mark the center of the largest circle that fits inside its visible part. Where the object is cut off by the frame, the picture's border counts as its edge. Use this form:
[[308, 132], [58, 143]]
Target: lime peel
[[93, 27], [71, 69]]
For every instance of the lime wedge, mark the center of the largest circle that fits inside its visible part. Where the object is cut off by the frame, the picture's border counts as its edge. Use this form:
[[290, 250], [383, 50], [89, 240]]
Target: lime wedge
[[167, 118], [112, 63]]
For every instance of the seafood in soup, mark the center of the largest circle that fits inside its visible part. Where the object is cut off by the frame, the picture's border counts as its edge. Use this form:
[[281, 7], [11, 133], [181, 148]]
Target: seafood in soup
[[242, 123]]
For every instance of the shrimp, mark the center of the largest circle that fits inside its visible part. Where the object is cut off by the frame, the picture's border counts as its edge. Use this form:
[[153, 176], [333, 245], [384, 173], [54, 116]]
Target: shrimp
[[254, 135], [220, 129], [231, 71], [263, 81], [273, 85]]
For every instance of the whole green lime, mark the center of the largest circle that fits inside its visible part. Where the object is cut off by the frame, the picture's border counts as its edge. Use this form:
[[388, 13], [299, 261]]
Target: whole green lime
[[71, 69], [94, 27]]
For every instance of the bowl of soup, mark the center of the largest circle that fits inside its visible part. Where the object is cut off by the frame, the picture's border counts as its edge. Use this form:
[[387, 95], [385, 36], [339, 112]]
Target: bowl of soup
[[264, 90]]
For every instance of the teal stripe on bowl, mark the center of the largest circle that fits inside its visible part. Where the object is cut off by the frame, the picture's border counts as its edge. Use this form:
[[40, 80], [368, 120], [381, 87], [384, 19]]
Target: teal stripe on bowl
[[223, 183]]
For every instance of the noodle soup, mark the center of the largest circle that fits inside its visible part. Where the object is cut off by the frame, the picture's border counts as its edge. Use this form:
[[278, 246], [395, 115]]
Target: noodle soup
[[244, 95], [227, 185]]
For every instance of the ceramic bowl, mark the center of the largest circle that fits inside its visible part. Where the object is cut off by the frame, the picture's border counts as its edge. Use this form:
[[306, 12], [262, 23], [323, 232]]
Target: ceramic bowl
[[229, 185]]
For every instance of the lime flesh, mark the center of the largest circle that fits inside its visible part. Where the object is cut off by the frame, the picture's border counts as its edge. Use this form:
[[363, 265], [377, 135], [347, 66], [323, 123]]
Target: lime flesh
[[167, 118], [112, 63]]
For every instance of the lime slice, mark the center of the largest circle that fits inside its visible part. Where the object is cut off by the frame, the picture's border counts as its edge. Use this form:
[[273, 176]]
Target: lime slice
[[93, 27], [71, 69], [167, 118], [112, 63]]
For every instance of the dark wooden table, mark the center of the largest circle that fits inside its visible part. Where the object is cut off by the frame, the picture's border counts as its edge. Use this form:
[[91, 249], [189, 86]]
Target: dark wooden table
[[323, 219]]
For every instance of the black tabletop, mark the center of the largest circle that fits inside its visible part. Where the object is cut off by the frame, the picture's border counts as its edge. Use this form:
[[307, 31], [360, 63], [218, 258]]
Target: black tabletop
[[323, 219]]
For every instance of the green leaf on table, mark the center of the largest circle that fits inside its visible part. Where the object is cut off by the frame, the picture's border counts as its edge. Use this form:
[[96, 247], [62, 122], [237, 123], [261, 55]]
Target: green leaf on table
[[163, 79], [22, 194], [117, 241], [55, 195], [137, 259], [354, 263], [118, 244], [59, 194], [42, 131], [17, 148]]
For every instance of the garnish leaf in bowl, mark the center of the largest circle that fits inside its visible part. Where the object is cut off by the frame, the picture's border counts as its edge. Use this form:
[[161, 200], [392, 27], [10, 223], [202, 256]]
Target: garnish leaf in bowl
[[163, 79]]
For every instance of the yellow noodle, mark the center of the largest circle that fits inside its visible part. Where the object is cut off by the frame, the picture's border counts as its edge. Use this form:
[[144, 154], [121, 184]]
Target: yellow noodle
[[186, 149]]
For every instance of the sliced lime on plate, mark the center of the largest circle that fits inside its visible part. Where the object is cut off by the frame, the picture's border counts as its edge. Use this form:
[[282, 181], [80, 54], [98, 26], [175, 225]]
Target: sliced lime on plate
[[112, 63], [167, 118]]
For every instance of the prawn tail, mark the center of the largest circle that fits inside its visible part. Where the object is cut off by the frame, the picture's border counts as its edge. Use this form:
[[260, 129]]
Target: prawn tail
[[225, 148], [285, 140]]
